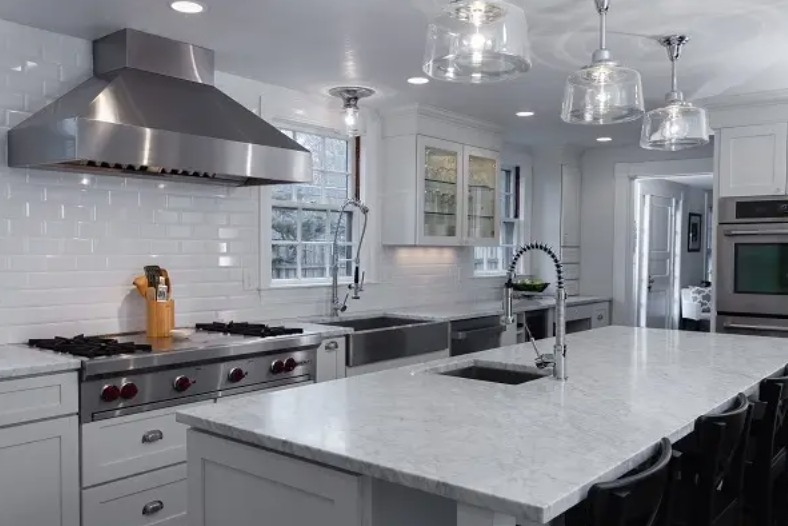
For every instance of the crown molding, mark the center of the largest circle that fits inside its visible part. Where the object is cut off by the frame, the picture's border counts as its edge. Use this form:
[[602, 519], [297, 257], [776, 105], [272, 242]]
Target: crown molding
[[423, 110]]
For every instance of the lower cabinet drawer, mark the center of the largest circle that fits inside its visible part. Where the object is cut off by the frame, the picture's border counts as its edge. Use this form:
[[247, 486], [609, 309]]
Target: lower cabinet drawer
[[158, 497], [128, 445]]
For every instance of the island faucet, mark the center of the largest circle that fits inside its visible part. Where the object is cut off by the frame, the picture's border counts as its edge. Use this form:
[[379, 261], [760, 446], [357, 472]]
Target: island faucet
[[357, 286], [557, 360]]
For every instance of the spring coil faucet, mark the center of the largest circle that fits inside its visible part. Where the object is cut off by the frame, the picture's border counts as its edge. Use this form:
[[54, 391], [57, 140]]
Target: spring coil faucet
[[557, 360]]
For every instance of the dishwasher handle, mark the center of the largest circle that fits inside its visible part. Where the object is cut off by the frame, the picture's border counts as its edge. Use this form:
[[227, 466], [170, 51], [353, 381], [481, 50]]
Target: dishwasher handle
[[464, 335]]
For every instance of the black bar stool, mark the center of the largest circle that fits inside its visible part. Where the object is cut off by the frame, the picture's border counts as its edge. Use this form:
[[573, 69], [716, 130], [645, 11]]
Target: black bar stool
[[712, 468], [766, 474], [641, 498]]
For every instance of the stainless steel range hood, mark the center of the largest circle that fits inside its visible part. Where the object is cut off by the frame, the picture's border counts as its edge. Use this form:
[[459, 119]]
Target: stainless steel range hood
[[151, 110]]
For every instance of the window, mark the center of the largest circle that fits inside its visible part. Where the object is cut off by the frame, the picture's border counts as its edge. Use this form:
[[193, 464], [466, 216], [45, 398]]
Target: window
[[304, 216], [495, 260]]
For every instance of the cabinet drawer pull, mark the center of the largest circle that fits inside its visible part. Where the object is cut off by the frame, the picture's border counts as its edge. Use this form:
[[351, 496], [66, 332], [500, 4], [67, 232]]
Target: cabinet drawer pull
[[600, 316], [332, 346], [152, 507], [152, 436]]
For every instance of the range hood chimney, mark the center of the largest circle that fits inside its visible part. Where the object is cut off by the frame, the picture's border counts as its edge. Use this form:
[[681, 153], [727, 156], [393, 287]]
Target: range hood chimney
[[151, 111]]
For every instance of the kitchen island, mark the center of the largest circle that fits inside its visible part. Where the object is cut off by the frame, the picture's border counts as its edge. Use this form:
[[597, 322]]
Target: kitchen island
[[411, 446]]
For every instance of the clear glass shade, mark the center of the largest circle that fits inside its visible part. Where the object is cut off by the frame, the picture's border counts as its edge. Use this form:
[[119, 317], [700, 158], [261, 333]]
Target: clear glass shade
[[603, 93], [475, 41], [677, 126], [354, 122]]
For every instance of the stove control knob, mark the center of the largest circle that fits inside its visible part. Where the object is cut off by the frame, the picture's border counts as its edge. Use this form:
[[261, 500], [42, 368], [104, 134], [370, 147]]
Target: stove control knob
[[290, 365], [181, 383], [128, 390], [278, 367], [236, 374], [110, 393]]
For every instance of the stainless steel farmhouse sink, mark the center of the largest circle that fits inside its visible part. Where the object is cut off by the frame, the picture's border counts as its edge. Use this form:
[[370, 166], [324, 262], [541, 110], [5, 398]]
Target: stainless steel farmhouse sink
[[384, 338], [495, 375]]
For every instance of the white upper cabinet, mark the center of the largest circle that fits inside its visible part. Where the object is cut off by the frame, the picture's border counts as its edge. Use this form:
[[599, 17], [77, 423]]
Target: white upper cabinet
[[570, 206], [752, 160], [439, 180]]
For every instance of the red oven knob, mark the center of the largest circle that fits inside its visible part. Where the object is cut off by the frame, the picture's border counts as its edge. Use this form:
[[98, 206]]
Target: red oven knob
[[236, 374], [181, 383], [290, 365], [110, 393], [278, 367], [128, 390]]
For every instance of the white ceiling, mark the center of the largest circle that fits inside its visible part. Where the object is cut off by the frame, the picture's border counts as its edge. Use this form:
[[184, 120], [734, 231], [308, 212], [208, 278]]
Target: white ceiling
[[311, 45], [704, 181]]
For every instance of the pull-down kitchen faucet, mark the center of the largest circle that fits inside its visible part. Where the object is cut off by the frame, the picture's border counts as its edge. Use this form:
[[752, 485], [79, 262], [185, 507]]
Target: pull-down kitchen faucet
[[357, 286], [557, 360]]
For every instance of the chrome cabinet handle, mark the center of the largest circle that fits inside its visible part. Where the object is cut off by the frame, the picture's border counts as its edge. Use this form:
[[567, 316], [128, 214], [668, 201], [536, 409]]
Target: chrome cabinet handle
[[152, 436], [332, 346], [152, 507], [600, 316], [773, 232], [742, 326]]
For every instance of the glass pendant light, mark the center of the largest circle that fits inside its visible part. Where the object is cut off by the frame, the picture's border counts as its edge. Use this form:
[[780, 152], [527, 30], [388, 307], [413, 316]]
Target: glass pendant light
[[354, 123], [475, 41], [603, 92], [679, 125]]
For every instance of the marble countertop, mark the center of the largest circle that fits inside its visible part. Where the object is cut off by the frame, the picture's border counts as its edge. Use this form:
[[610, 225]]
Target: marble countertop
[[530, 450], [21, 360]]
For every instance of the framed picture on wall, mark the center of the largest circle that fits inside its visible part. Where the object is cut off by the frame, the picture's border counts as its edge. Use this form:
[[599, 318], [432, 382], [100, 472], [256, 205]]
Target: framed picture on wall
[[694, 232]]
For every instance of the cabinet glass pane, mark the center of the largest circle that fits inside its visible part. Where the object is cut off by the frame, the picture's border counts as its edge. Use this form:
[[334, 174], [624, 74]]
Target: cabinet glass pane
[[483, 175], [440, 192]]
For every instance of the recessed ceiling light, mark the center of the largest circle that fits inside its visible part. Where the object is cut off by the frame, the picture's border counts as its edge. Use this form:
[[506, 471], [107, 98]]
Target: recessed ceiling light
[[525, 114], [418, 80], [604, 139], [187, 6]]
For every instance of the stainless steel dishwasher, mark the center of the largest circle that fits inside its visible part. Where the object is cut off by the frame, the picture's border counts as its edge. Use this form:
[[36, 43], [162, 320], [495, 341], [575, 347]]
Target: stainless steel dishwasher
[[477, 334]]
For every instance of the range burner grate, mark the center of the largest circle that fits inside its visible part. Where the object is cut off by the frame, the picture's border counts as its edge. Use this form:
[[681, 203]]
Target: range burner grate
[[247, 329], [89, 346]]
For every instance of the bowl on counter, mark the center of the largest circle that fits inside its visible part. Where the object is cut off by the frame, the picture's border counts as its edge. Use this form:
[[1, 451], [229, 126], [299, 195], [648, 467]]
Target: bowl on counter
[[537, 288]]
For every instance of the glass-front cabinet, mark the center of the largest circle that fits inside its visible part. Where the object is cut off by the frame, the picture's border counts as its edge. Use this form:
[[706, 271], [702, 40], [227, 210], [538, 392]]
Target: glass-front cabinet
[[482, 208], [458, 189], [440, 164]]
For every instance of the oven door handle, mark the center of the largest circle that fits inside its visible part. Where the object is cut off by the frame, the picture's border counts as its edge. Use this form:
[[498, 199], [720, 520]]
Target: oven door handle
[[773, 232], [747, 327]]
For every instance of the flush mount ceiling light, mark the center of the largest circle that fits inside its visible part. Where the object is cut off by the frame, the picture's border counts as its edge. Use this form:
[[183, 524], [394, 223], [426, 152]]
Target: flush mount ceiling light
[[525, 114], [418, 80], [188, 7], [679, 125], [350, 96], [476, 41], [603, 92]]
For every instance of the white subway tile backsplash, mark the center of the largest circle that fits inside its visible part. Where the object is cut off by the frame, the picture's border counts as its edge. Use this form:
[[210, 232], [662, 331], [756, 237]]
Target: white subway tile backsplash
[[44, 246], [179, 231], [162, 217]]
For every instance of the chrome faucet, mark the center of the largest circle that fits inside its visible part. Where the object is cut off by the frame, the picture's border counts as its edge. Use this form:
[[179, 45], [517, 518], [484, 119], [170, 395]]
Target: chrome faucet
[[557, 360], [357, 286]]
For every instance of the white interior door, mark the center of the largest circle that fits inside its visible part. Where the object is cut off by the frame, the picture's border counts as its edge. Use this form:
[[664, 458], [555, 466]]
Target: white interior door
[[657, 257]]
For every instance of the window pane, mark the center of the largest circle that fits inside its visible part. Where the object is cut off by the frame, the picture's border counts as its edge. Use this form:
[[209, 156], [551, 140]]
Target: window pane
[[336, 180], [313, 143], [507, 233], [493, 258], [478, 258], [284, 224], [313, 225], [313, 261], [283, 262], [336, 196], [346, 254], [345, 228], [336, 155], [282, 192], [506, 180], [309, 194]]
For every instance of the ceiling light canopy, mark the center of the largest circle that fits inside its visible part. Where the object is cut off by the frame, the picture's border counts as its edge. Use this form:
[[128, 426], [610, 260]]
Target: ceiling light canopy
[[476, 41], [350, 95], [187, 6], [603, 92], [679, 125]]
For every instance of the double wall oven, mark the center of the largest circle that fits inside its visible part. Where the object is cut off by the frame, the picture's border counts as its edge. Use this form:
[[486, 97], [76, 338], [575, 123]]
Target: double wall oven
[[752, 266]]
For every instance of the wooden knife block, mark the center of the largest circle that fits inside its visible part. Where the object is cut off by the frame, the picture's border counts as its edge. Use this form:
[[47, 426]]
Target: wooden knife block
[[161, 316]]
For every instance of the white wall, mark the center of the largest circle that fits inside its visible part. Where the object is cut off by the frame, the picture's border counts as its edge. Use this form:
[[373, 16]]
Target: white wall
[[70, 245], [598, 205]]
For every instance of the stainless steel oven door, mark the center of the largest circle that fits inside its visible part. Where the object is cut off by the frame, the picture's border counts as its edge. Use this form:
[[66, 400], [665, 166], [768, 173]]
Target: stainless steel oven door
[[753, 326], [752, 269]]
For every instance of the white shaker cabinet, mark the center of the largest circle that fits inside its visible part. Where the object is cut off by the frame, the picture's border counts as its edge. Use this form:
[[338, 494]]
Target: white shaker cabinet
[[752, 160], [482, 210], [570, 206], [39, 473]]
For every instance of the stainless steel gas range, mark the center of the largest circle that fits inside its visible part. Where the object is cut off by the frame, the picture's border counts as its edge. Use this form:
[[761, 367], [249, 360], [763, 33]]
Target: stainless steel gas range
[[131, 373]]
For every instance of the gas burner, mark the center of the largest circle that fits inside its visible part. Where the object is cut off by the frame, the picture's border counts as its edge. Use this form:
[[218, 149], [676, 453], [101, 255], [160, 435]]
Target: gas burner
[[247, 329], [90, 346]]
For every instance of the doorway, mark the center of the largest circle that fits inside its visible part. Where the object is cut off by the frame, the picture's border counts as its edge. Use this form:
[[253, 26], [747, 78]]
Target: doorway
[[659, 210]]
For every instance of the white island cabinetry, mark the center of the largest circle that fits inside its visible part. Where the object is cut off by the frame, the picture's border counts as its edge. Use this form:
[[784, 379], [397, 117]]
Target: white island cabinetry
[[39, 451]]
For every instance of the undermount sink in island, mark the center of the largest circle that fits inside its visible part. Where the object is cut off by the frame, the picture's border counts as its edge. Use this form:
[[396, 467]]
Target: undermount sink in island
[[420, 447]]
